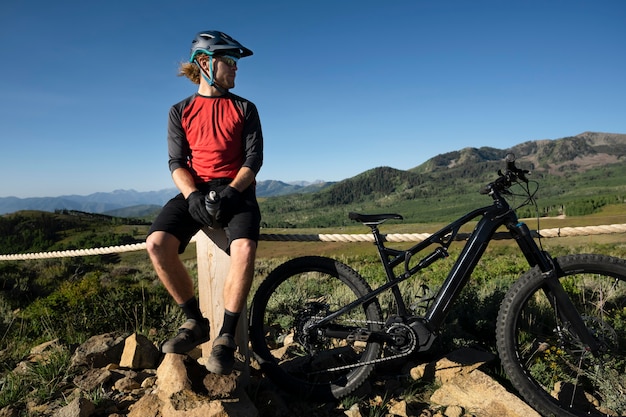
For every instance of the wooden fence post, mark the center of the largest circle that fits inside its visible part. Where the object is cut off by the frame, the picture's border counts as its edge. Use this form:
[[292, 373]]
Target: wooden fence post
[[213, 265]]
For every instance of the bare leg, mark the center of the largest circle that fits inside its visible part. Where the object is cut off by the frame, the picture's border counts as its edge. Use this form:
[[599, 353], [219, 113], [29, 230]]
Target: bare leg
[[163, 250], [236, 289], [239, 278]]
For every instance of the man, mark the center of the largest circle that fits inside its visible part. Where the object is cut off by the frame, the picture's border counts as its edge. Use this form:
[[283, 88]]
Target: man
[[215, 143]]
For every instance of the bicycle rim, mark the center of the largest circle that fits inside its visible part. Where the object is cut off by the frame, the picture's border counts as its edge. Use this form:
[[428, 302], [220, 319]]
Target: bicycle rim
[[285, 309], [543, 356]]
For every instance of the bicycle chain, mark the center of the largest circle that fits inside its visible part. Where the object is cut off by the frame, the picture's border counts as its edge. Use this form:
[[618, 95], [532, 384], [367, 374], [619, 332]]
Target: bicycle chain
[[373, 361]]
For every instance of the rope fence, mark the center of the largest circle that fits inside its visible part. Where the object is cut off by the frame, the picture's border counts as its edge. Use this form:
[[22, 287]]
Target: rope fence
[[392, 237]]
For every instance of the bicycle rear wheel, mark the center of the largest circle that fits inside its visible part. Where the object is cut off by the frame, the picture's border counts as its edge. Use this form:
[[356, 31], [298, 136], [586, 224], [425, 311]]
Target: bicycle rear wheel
[[543, 356], [317, 363]]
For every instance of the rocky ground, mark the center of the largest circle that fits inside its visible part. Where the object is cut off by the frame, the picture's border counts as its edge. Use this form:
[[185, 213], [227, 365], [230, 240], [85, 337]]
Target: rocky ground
[[116, 375]]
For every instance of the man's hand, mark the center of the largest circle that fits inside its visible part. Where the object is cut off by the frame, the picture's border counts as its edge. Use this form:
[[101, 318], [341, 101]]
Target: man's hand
[[230, 201], [198, 210]]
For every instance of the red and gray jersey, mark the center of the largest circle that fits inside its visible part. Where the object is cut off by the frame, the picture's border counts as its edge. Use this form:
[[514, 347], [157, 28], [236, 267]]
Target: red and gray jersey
[[214, 137]]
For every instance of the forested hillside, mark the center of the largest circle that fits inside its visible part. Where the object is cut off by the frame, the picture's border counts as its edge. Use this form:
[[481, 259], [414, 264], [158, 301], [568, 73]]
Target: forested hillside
[[33, 231], [576, 175]]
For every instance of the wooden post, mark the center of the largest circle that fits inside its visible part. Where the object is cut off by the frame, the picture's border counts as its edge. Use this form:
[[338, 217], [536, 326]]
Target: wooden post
[[213, 266]]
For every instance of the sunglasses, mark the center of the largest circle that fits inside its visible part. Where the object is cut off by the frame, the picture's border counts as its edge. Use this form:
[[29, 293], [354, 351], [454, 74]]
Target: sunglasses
[[229, 60]]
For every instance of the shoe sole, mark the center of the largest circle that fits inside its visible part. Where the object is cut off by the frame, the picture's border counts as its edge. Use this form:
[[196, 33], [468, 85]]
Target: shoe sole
[[218, 369], [186, 349]]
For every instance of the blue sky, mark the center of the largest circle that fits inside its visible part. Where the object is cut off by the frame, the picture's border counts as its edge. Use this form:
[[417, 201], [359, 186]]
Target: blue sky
[[342, 86]]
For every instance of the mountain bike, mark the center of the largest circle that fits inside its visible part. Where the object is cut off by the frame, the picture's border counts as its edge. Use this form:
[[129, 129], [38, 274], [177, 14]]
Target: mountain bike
[[318, 330]]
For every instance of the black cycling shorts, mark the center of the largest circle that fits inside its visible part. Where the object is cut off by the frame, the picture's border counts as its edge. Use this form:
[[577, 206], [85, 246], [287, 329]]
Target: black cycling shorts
[[175, 219]]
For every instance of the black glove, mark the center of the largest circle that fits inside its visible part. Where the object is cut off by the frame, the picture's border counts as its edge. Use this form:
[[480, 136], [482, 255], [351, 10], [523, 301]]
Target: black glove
[[230, 201], [197, 208]]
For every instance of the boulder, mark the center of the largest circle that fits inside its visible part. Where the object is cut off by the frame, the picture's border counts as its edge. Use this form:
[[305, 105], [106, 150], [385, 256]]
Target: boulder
[[464, 385], [139, 353], [99, 351], [79, 407]]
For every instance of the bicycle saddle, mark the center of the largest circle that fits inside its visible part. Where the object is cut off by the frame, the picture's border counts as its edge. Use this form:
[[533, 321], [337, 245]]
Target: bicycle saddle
[[373, 218]]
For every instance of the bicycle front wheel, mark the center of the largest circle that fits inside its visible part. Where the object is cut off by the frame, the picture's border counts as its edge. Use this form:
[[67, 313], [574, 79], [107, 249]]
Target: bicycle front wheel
[[323, 362], [543, 356]]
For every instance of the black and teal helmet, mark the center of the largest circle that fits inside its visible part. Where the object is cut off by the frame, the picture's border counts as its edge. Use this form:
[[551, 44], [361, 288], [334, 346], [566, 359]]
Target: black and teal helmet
[[213, 42]]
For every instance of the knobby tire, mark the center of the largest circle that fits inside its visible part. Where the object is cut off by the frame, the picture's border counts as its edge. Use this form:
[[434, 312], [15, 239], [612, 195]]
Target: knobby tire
[[310, 363], [542, 355]]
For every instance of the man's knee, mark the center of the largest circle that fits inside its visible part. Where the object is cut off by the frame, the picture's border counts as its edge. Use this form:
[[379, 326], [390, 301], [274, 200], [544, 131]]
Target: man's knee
[[243, 247], [161, 244]]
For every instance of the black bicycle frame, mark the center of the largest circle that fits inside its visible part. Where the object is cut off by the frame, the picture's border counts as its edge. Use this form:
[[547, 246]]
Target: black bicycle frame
[[492, 217]]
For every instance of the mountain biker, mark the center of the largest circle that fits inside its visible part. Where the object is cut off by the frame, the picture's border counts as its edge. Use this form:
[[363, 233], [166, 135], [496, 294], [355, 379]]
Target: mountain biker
[[214, 143]]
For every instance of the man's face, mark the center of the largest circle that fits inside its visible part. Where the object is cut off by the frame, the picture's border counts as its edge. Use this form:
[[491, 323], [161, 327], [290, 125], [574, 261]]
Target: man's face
[[225, 70]]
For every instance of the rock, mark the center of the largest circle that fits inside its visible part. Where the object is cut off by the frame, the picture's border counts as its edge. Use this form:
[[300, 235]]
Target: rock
[[463, 384], [39, 349], [221, 386], [148, 406], [92, 379], [353, 411], [139, 353], [35, 409], [478, 392], [38, 354], [182, 387], [99, 351], [79, 407], [399, 408], [126, 384], [453, 411], [189, 404], [462, 361], [149, 382], [179, 394], [419, 372], [172, 375]]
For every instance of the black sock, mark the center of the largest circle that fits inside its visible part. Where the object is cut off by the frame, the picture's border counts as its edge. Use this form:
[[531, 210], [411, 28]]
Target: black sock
[[230, 323], [192, 309]]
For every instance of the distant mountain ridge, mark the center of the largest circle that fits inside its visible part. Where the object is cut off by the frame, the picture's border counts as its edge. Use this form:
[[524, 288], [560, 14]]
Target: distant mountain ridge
[[127, 202], [563, 156], [580, 152], [272, 188]]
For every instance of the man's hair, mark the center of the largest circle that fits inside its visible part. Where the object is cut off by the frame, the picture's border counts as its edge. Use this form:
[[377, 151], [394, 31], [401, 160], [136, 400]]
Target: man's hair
[[191, 69]]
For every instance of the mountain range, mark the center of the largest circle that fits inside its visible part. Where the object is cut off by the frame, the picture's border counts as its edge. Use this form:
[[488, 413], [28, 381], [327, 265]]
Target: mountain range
[[574, 176], [562, 157], [137, 202]]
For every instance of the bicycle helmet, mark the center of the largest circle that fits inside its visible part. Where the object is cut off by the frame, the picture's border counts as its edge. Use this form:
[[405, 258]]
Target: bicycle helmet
[[213, 42]]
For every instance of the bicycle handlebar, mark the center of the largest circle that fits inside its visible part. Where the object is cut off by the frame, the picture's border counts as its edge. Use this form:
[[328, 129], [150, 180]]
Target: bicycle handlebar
[[505, 180]]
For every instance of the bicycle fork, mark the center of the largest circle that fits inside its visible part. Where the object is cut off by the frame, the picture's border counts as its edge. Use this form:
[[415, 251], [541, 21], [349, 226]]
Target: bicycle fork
[[560, 300]]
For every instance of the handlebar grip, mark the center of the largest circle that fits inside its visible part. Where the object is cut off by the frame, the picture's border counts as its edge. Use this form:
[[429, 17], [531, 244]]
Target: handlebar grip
[[510, 166], [510, 162]]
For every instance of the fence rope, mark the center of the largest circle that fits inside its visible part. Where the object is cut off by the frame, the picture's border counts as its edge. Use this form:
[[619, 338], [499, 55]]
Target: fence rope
[[392, 237]]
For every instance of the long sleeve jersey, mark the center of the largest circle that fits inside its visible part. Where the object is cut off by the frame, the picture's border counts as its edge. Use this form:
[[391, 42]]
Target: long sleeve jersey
[[214, 137]]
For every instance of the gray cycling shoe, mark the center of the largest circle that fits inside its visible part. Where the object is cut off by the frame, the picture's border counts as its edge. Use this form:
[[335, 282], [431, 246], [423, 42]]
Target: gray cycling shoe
[[191, 334], [222, 357]]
